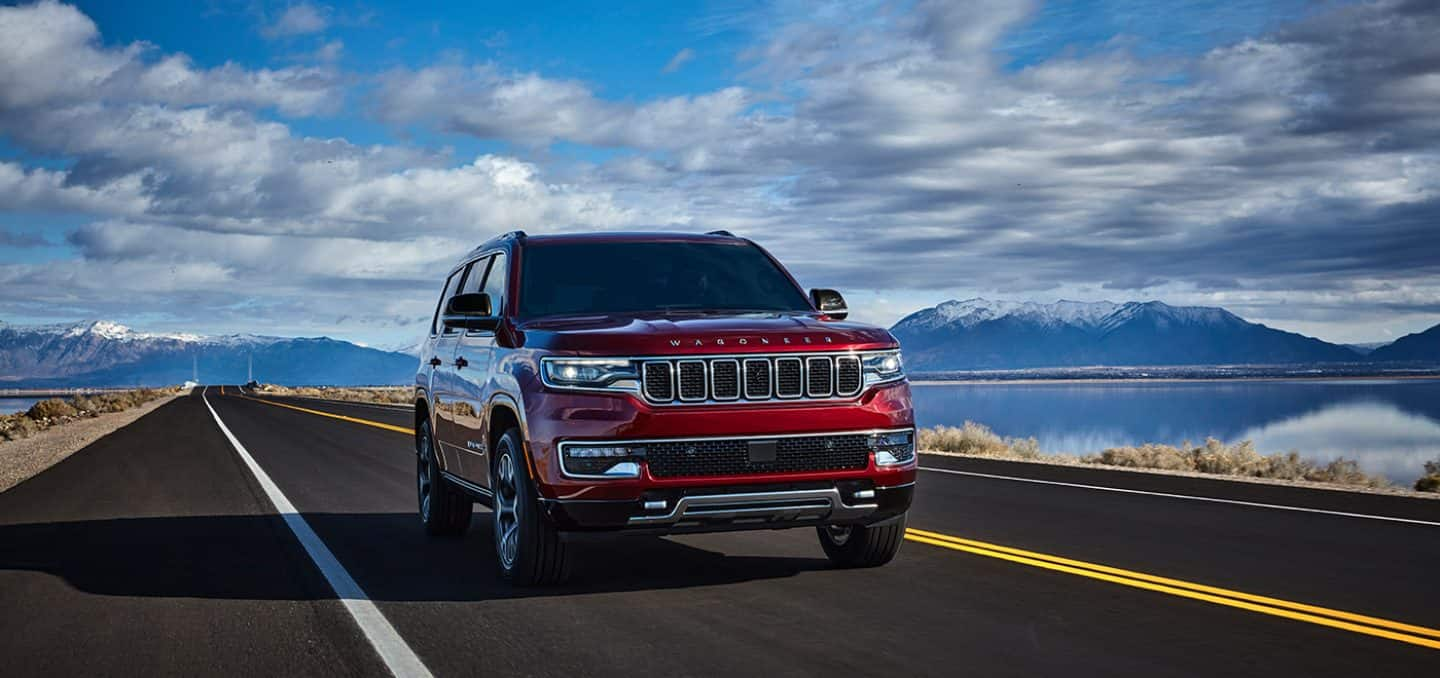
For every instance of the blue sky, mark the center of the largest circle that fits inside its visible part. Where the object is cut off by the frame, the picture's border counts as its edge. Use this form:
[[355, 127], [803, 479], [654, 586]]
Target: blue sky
[[253, 166]]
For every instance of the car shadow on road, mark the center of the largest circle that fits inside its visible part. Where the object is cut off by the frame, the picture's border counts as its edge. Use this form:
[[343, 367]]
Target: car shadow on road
[[257, 558]]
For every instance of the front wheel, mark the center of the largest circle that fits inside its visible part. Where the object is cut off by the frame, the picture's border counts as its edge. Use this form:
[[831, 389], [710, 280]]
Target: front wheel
[[862, 545], [529, 548]]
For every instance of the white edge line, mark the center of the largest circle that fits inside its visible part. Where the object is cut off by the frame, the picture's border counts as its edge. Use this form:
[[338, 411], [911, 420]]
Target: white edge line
[[393, 651], [1216, 500]]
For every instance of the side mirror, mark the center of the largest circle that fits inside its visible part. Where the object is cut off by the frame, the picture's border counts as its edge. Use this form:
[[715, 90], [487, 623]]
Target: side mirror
[[470, 311], [830, 303]]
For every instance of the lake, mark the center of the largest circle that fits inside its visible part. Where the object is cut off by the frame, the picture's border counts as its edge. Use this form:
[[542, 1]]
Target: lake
[[13, 405], [1389, 426]]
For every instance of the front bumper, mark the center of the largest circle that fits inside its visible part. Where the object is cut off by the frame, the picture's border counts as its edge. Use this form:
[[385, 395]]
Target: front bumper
[[554, 417], [730, 508]]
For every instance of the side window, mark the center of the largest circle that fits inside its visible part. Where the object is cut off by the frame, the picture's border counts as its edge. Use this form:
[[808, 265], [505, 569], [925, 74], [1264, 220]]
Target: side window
[[492, 283], [476, 277], [495, 284], [451, 285]]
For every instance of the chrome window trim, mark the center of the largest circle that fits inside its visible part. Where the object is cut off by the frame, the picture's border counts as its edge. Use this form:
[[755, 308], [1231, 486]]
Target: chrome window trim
[[769, 379], [739, 377], [704, 380], [669, 366]]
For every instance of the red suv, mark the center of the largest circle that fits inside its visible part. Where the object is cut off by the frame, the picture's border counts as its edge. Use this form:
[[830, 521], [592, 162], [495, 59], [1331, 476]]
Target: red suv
[[656, 383]]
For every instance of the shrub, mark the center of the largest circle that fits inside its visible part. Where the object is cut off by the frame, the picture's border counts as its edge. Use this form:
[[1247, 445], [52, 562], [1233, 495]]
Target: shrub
[[972, 438], [1430, 482], [52, 408], [17, 426], [1149, 455]]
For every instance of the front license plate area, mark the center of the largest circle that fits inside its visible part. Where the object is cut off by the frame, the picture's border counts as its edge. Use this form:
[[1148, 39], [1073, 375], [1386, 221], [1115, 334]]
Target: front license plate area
[[762, 451]]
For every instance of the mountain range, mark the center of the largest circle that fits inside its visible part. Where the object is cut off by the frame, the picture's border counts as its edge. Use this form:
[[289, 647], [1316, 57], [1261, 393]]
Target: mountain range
[[979, 334], [975, 334], [103, 353]]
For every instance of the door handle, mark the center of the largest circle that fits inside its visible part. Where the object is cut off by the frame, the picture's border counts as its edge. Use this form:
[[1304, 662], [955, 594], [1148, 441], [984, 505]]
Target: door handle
[[435, 362], [461, 362]]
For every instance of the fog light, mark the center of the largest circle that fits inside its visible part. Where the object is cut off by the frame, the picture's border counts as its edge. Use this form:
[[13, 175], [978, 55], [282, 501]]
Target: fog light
[[893, 448], [601, 461]]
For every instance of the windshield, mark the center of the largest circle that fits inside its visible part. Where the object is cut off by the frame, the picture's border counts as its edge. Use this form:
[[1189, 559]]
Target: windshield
[[627, 277]]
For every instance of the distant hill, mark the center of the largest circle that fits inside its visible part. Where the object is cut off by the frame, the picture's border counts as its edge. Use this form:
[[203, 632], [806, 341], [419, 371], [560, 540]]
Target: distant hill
[[103, 353], [1421, 346], [1366, 348], [979, 334]]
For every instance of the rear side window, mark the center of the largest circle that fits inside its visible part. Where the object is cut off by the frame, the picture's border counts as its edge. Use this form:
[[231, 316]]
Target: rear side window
[[495, 284], [451, 285], [491, 283]]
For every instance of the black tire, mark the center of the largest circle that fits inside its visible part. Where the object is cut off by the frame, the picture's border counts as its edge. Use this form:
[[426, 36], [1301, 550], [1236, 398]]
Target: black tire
[[862, 545], [537, 555], [444, 508]]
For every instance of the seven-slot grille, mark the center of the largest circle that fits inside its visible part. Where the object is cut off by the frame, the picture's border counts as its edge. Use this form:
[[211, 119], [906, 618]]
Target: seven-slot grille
[[714, 457], [693, 380]]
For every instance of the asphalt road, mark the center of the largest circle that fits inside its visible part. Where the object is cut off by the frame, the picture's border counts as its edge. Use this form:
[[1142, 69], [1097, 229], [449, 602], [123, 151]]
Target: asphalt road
[[155, 551]]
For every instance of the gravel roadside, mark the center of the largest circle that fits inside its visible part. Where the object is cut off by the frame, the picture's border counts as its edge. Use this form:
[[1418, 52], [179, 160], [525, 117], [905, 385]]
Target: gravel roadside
[[22, 459]]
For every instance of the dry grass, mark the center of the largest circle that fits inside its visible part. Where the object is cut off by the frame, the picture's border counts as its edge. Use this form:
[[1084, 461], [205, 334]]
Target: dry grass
[[385, 395], [1430, 482], [1213, 457], [56, 412]]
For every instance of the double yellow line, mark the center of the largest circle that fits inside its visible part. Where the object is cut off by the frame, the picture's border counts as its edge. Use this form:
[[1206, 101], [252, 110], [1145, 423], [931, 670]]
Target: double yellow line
[[1313, 614]]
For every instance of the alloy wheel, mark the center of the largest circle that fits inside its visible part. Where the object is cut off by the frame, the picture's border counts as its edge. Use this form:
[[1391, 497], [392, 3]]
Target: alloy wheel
[[507, 511], [424, 473]]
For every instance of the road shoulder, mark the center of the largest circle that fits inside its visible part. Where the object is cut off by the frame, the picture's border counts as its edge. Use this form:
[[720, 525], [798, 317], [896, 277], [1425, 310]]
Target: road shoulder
[[21, 460]]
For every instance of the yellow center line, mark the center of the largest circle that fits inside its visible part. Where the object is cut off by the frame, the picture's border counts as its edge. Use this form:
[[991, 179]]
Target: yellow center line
[[341, 417], [1355, 623], [1313, 614]]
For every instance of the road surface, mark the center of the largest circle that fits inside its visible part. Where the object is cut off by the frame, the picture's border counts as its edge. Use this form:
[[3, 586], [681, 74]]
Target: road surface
[[158, 551]]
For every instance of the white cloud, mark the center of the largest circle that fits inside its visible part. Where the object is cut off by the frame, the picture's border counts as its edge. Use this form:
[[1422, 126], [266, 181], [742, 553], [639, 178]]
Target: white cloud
[[682, 57], [893, 154], [298, 19]]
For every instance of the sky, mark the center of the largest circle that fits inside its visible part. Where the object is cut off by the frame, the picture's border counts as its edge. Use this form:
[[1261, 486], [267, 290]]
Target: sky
[[299, 168]]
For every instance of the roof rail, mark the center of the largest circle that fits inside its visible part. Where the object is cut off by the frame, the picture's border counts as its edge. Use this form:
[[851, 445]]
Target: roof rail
[[720, 232]]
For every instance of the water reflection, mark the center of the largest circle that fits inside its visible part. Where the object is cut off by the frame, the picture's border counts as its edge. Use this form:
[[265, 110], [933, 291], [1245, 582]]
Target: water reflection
[[1390, 426]]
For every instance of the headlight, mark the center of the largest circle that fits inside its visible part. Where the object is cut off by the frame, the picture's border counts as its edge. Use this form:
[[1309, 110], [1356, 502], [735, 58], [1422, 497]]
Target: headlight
[[882, 366], [590, 373], [893, 448], [588, 460]]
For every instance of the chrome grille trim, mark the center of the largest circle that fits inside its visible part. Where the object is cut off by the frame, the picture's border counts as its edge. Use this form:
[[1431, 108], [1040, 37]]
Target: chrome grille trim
[[758, 377], [821, 367], [669, 368], [680, 370], [779, 367], [715, 388], [841, 374], [769, 378]]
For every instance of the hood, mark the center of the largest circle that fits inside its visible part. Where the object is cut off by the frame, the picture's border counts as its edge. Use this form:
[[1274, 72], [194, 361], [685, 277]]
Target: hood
[[700, 334]]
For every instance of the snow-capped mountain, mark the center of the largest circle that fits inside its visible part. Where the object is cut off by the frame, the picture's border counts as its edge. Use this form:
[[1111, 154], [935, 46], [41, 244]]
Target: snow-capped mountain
[[104, 353], [982, 334]]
